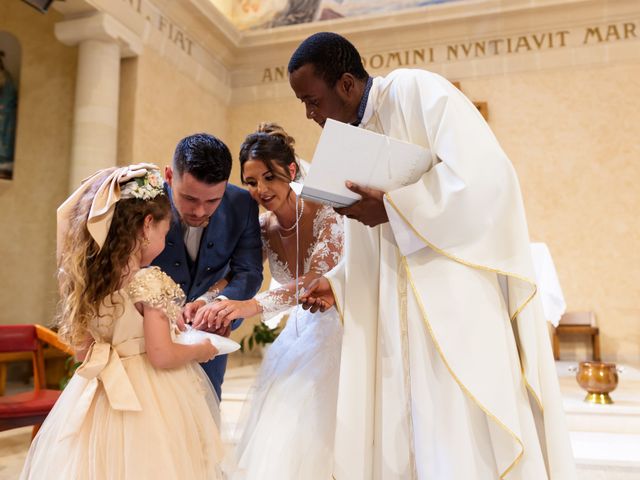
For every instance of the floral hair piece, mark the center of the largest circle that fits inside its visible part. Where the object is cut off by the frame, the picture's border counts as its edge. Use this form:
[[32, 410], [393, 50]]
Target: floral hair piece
[[147, 187]]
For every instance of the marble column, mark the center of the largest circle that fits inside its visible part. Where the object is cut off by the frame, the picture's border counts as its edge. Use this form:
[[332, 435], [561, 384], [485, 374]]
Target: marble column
[[102, 41]]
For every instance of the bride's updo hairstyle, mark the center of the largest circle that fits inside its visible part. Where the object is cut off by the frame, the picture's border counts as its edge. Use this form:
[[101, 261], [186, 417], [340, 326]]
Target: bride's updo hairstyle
[[87, 274], [274, 147]]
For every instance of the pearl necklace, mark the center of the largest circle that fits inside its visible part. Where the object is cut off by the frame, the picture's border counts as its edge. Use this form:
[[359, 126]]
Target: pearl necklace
[[297, 219]]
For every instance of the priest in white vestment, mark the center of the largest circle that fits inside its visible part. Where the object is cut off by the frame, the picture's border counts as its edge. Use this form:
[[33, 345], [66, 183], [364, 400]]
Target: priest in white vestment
[[447, 371]]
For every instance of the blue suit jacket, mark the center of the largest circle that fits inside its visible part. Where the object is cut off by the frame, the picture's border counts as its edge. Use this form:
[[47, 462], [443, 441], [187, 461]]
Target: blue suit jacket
[[230, 247]]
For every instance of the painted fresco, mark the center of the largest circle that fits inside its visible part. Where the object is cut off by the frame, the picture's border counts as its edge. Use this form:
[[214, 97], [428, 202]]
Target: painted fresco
[[261, 14]]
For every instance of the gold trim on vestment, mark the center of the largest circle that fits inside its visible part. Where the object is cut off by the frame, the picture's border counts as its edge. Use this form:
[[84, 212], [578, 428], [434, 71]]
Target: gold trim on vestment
[[425, 318], [405, 354], [479, 267]]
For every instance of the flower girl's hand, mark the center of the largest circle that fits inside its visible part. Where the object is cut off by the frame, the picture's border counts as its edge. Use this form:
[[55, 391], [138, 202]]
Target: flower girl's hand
[[205, 351], [180, 322]]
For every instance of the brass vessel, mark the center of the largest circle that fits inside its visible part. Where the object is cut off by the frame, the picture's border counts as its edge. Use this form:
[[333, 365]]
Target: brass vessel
[[598, 379]]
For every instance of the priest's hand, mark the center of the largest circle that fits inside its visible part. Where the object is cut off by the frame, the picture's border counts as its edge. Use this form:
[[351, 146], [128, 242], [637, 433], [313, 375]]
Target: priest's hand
[[318, 296], [369, 210]]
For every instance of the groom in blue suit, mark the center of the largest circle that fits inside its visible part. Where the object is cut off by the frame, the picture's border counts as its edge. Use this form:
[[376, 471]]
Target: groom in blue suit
[[213, 249]]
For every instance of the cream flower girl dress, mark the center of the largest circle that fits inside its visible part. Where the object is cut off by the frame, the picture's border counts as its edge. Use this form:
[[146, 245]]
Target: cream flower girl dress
[[121, 418]]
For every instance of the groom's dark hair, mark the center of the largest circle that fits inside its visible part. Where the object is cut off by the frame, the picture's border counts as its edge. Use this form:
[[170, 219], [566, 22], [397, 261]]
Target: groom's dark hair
[[204, 156], [331, 55]]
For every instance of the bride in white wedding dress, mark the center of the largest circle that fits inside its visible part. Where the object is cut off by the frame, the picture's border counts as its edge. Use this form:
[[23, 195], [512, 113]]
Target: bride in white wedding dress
[[289, 431]]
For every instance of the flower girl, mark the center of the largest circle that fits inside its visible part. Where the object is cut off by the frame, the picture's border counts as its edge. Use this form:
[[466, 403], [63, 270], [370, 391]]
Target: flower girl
[[139, 406]]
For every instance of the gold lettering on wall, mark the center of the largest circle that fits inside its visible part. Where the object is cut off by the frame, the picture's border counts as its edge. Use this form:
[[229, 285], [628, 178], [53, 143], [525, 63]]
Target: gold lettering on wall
[[609, 33], [397, 59], [163, 24], [273, 74], [486, 48], [502, 46], [174, 34]]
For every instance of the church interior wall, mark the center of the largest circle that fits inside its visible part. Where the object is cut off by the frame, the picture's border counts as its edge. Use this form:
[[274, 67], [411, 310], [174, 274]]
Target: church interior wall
[[569, 134], [41, 167], [167, 106]]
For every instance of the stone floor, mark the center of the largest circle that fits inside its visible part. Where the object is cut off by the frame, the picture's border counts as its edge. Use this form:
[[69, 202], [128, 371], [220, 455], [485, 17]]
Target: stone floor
[[605, 438]]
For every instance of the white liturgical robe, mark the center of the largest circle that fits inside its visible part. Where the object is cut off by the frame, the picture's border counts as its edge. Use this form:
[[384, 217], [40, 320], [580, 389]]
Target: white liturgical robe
[[447, 371]]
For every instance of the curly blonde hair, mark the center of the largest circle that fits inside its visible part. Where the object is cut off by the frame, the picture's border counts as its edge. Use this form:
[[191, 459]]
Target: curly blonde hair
[[88, 274]]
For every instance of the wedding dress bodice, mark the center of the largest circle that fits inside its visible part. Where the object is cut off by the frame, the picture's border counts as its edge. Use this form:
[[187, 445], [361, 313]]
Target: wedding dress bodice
[[320, 246]]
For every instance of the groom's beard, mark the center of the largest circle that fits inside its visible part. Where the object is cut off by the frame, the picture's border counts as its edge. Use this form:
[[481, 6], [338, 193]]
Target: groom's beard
[[195, 223]]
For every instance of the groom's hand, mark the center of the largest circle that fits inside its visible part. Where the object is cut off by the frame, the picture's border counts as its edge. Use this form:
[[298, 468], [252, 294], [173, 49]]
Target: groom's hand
[[369, 210], [190, 309], [222, 331], [318, 296]]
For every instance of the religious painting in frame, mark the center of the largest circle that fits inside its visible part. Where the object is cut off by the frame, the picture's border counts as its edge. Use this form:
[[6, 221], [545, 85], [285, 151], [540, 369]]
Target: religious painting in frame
[[9, 80]]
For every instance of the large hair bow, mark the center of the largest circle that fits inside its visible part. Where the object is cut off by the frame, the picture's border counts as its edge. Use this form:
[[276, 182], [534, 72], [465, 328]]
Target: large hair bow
[[103, 204]]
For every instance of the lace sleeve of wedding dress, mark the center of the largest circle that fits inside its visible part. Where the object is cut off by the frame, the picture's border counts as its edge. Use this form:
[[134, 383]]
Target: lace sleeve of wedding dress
[[325, 251], [155, 288]]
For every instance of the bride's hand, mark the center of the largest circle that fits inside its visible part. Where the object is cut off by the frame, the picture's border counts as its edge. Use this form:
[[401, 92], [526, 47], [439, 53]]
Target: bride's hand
[[231, 310], [221, 313], [318, 296]]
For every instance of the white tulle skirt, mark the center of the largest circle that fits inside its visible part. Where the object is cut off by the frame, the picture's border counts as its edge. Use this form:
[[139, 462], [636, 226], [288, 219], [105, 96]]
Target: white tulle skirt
[[174, 435], [290, 422]]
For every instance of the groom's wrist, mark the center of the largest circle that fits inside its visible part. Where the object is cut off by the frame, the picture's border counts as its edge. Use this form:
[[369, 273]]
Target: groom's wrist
[[210, 297]]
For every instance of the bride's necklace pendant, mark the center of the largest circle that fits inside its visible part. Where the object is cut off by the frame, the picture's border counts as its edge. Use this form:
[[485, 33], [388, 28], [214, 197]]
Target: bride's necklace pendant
[[295, 224]]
